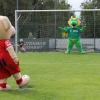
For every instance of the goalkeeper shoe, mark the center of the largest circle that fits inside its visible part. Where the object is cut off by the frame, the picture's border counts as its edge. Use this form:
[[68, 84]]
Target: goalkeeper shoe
[[67, 52], [83, 52]]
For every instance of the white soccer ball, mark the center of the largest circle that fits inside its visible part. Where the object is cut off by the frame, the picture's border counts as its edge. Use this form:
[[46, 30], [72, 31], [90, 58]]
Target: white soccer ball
[[26, 77], [25, 81]]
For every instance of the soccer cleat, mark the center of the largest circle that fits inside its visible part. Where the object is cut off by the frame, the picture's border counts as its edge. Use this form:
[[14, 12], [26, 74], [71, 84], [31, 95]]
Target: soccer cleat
[[83, 52], [7, 88], [67, 52], [25, 81]]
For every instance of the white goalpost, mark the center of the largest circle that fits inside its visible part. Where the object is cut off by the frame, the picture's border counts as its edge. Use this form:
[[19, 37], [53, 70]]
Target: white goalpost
[[44, 26]]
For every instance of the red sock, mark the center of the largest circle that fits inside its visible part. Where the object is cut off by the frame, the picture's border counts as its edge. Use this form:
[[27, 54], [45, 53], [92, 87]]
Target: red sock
[[19, 81], [3, 85]]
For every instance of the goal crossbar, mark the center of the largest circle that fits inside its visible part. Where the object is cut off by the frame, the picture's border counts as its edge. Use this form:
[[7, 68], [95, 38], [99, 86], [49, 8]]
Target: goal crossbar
[[59, 10]]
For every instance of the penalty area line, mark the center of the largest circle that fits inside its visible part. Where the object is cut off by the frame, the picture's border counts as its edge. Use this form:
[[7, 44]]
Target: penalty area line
[[56, 63]]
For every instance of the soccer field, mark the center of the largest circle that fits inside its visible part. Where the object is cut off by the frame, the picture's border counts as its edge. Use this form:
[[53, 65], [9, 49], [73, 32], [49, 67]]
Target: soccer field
[[58, 76]]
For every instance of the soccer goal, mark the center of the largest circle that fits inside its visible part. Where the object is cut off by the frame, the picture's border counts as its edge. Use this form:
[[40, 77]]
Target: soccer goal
[[40, 28]]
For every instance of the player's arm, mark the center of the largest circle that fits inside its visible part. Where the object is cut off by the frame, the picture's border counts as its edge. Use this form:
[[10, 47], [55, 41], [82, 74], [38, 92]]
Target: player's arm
[[10, 49], [12, 53], [81, 29], [63, 29]]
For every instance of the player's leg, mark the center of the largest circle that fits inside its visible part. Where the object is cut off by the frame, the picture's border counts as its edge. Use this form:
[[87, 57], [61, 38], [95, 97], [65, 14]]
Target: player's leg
[[4, 74], [69, 46], [3, 85], [79, 46], [14, 70], [21, 80], [22, 49]]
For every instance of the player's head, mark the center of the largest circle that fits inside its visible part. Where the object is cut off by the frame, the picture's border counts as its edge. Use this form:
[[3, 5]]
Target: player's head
[[21, 40], [6, 28], [74, 21]]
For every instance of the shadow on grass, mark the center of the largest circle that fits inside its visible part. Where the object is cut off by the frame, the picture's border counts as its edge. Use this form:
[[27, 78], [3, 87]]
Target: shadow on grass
[[29, 93], [20, 91]]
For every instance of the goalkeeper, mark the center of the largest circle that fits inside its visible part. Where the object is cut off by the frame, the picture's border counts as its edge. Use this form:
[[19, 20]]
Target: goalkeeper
[[73, 34]]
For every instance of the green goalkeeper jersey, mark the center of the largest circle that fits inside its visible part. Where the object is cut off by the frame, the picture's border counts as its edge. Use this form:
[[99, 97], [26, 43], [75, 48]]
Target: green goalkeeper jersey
[[73, 33]]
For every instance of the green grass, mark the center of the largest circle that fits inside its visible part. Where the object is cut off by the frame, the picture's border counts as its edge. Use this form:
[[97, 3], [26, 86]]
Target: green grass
[[58, 76]]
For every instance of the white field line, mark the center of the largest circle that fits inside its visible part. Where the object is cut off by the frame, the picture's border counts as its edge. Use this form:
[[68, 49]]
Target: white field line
[[56, 63]]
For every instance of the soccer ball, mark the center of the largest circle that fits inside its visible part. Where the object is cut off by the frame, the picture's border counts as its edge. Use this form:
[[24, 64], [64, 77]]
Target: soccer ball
[[25, 81], [26, 77]]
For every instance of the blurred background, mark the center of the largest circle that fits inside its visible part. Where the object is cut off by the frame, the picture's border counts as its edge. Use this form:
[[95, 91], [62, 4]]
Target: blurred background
[[42, 27]]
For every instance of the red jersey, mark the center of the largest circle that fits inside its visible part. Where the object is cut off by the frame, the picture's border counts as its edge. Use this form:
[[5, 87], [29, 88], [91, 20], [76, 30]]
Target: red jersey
[[7, 65]]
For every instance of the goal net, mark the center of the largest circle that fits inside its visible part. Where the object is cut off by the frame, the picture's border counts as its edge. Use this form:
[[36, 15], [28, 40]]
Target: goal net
[[40, 28]]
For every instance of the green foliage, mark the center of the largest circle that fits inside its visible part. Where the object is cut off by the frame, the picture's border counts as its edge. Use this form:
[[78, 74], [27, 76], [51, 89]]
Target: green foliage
[[87, 5], [49, 4], [96, 3], [64, 5], [8, 7], [91, 20]]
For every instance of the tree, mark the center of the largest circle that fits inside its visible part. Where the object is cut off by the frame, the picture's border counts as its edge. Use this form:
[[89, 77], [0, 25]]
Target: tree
[[64, 5], [91, 19], [8, 7], [96, 3]]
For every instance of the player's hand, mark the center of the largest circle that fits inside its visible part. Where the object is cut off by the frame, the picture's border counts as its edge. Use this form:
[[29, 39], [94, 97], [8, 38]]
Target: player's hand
[[16, 60], [62, 29]]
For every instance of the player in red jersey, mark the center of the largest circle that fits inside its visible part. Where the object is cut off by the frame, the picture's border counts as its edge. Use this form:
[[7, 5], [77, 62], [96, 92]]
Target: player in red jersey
[[9, 63]]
